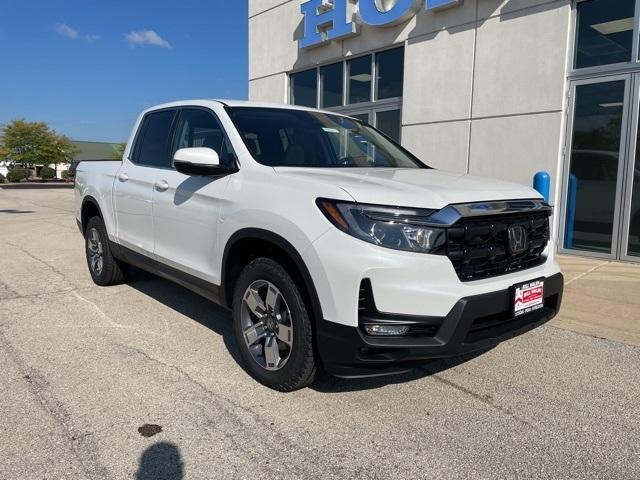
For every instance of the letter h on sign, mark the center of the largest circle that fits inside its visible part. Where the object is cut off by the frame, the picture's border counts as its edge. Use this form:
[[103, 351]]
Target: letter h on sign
[[325, 20]]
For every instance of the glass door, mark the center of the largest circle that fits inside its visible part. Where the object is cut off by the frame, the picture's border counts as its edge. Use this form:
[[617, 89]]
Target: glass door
[[631, 214], [633, 232], [594, 176]]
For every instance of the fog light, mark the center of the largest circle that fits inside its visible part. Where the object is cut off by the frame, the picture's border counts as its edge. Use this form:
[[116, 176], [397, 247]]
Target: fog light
[[386, 330]]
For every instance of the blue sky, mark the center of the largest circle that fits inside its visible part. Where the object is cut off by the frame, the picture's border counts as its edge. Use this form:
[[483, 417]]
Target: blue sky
[[87, 67]]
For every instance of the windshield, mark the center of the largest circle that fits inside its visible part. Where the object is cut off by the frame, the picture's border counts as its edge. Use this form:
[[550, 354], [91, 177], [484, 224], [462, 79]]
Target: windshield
[[298, 138]]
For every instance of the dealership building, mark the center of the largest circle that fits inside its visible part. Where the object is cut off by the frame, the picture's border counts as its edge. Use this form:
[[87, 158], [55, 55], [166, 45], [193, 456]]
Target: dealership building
[[498, 88]]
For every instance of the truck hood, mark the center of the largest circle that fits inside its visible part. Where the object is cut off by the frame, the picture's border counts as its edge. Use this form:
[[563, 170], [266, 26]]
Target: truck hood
[[420, 188]]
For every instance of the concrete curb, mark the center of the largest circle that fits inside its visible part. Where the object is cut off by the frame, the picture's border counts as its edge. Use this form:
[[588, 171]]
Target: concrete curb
[[24, 186]]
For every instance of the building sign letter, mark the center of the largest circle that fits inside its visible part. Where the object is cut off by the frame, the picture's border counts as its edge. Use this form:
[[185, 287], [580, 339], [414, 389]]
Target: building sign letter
[[325, 20], [385, 13], [442, 4]]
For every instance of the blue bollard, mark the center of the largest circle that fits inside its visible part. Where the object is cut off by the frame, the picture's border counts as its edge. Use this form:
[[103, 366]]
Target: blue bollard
[[571, 211], [542, 183]]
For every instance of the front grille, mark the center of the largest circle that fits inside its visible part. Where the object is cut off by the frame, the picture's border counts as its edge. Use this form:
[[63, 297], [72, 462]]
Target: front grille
[[478, 246]]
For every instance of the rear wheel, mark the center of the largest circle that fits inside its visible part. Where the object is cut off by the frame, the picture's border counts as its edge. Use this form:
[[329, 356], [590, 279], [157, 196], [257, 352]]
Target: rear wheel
[[105, 270], [272, 327]]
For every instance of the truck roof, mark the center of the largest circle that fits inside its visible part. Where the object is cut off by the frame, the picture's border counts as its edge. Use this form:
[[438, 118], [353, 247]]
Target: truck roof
[[236, 103]]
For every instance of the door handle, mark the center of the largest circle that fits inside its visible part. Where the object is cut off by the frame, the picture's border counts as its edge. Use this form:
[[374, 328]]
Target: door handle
[[161, 186], [123, 177]]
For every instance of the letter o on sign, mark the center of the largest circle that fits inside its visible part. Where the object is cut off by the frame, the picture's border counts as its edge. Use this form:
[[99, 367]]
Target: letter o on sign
[[379, 13]]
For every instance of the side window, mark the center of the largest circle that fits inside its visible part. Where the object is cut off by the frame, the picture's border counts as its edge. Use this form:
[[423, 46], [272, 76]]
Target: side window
[[154, 141], [199, 128]]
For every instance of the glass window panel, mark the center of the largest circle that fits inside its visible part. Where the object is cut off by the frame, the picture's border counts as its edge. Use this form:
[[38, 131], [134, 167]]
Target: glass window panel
[[363, 117], [389, 123], [331, 79], [390, 72], [304, 88], [595, 157], [199, 128], [359, 79], [634, 226], [153, 150], [604, 32]]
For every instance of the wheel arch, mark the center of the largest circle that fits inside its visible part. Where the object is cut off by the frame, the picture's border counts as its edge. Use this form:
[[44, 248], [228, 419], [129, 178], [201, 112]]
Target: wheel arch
[[90, 208], [237, 254]]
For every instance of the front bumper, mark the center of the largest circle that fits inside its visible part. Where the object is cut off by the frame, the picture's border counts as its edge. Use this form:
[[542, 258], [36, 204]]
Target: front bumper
[[474, 323]]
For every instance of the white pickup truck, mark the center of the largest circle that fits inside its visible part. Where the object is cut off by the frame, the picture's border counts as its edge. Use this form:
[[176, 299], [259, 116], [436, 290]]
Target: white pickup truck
[[332, 245]]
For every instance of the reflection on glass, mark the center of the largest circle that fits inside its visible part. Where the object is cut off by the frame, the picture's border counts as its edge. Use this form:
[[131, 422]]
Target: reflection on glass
[[604, 32], [634, 219], [390, 71], [389, 123], [331, 81], [359, 72], [363, 117], [304, 88], [595, 156]]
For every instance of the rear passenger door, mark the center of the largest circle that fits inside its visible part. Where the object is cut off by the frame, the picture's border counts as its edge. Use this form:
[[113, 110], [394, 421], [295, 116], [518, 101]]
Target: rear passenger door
[[186, 208], [133, 187]]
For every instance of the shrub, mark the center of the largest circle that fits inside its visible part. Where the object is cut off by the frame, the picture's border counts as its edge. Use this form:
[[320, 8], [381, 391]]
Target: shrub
[[2, 179], [18, 175], [47, 173], [65, 174]]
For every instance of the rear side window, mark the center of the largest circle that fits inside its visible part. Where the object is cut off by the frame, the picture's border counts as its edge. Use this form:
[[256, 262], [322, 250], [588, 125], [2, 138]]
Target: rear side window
[[153, 147]]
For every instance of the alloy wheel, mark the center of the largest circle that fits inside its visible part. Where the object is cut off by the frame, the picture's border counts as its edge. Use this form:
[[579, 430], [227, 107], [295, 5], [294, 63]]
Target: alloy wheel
[[96, 252], [266, 325]]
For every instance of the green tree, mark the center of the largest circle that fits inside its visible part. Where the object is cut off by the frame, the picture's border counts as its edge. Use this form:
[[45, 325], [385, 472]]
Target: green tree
[[118, 151], [34, 143], [62, 150]]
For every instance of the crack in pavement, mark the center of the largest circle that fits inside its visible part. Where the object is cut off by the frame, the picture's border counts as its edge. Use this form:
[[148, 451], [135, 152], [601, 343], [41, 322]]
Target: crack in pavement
[[593, 336], [83, 448], [39, 295], [268, 439], [486, 399], [111, 323], [45, 263], [63, 291], [8, 288]]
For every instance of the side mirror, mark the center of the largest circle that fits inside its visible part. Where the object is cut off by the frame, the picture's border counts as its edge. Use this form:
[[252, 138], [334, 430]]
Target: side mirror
[[198, 161]]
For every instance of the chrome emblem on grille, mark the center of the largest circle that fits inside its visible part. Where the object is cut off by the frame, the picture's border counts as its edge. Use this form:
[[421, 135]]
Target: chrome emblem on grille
[[518, 239]]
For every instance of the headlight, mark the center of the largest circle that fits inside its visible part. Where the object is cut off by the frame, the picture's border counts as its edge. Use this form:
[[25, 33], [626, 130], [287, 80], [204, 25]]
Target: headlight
[[398, 228]]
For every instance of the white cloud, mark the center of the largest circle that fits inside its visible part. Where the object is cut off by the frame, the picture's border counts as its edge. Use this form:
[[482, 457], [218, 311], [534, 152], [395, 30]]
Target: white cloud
[[146, 37], [66, 31]]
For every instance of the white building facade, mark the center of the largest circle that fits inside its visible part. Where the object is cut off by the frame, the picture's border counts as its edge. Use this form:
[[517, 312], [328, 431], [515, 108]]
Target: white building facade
[[498, 88]]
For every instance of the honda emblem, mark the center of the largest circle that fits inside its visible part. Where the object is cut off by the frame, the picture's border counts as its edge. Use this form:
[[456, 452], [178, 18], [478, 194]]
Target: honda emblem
[[518, 239]]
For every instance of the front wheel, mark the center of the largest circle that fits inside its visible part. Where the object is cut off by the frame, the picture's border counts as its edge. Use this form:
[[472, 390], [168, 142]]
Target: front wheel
[[272, 327]]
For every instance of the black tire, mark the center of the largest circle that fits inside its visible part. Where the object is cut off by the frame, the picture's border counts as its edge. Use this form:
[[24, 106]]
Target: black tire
[[112, 271], [300, 368]]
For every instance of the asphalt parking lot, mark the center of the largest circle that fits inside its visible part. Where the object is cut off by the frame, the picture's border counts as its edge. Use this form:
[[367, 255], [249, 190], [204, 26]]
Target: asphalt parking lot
[[83, 368]]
